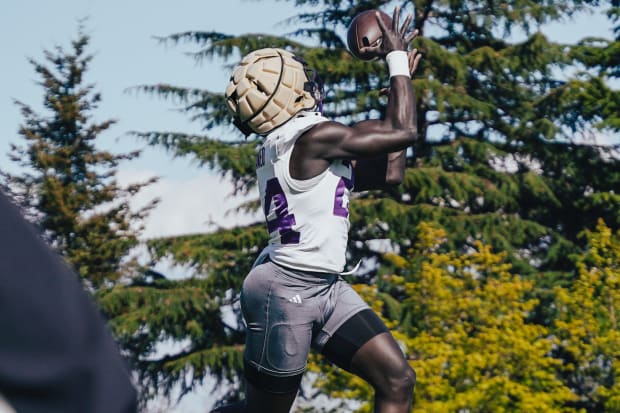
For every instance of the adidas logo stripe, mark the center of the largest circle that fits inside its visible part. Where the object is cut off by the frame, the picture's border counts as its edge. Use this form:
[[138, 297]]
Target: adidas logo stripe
[[295, 299]]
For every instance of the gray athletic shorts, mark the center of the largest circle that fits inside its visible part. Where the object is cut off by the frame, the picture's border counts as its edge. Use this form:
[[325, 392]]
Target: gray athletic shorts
[[288, 311]]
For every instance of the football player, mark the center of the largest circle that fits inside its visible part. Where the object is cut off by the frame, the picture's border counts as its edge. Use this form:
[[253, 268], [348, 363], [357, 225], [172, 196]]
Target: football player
[[295, 298]]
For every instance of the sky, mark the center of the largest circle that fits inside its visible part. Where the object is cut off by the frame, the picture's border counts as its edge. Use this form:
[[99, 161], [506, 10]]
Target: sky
[[126, 54]]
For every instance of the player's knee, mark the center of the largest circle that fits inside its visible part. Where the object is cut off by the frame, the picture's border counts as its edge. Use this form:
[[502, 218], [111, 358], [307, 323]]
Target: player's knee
[[407, 382], [399, 384]]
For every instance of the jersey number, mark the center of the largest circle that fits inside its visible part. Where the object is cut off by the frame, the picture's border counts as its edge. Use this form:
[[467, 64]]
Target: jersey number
[[278, 218]]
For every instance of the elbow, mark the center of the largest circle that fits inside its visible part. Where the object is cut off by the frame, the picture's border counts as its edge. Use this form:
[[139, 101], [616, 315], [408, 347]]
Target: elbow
[[411, 133], [406, 135]]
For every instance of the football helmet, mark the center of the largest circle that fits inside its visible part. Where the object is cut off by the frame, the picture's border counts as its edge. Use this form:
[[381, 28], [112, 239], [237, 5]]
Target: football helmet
[[268, 87]]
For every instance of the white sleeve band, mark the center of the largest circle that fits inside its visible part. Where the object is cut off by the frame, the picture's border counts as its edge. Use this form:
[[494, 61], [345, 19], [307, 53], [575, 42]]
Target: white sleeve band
[[398, 63]]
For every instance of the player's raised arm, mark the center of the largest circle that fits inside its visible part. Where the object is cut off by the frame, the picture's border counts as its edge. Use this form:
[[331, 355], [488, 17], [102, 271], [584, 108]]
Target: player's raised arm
[[387, 169]]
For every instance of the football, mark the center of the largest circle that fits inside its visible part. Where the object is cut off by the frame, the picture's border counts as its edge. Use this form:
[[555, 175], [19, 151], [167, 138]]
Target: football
[[364, 31]]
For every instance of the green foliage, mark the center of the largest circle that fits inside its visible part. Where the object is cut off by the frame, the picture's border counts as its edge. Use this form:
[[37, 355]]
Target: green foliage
[[68, 186], [224, 257], [187, 316], [149, 316], [234, 158]]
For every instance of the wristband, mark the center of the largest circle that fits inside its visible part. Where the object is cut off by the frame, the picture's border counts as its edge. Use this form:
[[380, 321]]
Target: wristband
[[398, 63]]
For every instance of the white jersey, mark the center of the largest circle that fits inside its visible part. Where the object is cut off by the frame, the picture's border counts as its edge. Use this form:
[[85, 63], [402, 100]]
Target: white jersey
[[307, 220]]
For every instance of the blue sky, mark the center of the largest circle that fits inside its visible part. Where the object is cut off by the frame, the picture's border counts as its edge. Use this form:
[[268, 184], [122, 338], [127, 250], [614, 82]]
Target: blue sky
[[126, 54]]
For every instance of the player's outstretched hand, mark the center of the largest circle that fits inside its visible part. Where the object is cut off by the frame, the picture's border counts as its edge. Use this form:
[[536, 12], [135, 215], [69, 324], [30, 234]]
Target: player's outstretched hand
[[393, 38]]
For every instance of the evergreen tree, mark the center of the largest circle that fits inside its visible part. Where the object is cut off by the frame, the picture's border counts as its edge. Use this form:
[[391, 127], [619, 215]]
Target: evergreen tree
[[501, 160], [66, 184]]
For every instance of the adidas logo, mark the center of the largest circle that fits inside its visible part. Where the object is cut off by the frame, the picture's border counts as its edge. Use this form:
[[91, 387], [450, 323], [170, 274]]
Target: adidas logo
[[295, 299]]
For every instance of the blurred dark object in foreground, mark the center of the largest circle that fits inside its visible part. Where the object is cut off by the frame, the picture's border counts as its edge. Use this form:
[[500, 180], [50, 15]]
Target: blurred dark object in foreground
[[56, 354]]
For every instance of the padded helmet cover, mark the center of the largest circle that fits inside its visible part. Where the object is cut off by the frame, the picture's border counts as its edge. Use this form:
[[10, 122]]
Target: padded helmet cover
[[267, 88]]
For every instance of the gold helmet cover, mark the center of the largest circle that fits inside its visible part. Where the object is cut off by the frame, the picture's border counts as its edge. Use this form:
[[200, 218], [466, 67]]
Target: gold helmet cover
[[268, 88]]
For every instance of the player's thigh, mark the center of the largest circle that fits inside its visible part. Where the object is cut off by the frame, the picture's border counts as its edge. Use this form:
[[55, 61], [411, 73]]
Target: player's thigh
[[351, 336]]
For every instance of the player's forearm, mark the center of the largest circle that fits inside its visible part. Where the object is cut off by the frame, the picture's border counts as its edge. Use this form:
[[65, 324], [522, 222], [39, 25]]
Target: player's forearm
[[400, 111]]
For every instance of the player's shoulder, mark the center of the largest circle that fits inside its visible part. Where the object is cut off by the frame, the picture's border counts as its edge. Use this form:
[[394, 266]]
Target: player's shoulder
[[324, 132]]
